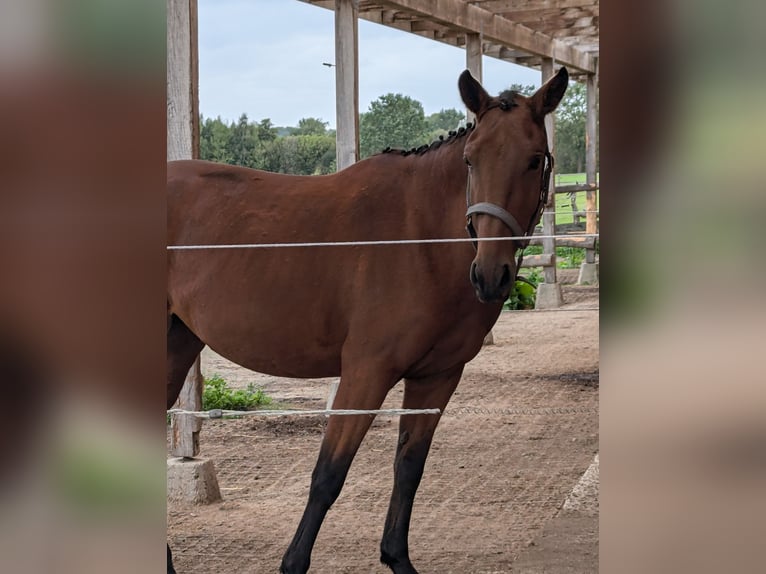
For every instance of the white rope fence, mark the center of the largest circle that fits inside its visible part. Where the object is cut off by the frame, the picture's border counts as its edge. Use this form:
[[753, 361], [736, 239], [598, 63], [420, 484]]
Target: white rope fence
[[378, 242], [573, 310], [220, 413]]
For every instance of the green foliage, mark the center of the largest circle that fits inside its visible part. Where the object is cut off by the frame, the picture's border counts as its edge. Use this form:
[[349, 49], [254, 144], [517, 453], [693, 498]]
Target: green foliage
[[523, 294], [569, 257], [310, 150], [310, 127], [393, 120], [300, 155], [214, 140], [570, 129], [527, 90], [444, 120], [218, 395], [242, 143]]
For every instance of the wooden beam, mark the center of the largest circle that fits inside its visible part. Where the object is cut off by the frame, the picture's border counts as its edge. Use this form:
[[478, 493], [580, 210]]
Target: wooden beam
[[591, 157], [473, 54], [513, 5], [346, 83], [542, 260], [495, 28], [564, 241], [575, 187]]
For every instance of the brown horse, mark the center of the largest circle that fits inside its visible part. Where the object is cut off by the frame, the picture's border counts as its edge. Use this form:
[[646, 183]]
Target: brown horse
[[372, 314]]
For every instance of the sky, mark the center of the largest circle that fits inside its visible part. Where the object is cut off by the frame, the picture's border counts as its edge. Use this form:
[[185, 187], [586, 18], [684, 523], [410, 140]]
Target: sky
[[264, 58]]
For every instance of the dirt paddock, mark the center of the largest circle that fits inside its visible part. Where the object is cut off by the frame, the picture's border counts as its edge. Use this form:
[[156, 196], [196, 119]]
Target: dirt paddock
[[519, 433]]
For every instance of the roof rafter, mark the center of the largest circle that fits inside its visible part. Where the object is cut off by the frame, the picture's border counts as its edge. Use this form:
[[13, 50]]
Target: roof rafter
[[563, 30]]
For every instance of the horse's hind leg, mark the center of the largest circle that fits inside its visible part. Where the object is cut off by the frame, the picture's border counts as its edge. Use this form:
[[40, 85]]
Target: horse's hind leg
[[342, 438], [415, 435], [183, 348]]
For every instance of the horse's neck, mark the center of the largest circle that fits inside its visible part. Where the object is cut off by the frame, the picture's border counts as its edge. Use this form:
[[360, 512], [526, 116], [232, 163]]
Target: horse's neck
[[440, 180]]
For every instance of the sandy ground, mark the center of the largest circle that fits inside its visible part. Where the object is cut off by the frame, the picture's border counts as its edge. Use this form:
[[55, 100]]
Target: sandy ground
[[519, 433]]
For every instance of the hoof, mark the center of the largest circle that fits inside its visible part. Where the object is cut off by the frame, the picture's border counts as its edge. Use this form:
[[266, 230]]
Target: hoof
[[398, 565]]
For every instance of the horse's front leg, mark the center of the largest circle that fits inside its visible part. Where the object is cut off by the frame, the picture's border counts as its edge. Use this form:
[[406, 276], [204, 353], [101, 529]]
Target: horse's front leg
[[415, 435], [342, 438]]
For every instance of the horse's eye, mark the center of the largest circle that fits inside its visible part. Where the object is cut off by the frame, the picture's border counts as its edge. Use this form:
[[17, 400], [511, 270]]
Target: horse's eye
[[467, 161], [535, 163]]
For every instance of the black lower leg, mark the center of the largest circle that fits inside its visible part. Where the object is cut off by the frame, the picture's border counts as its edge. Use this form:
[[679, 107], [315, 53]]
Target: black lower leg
[[171, 570], [408, 470], [326, 484]]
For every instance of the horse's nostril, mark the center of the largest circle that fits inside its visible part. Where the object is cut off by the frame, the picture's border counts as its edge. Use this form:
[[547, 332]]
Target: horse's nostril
[[474, 275], [506, 279]]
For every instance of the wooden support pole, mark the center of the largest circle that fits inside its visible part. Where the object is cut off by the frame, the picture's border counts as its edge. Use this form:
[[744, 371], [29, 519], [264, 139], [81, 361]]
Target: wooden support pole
[[549, 215], [549, 291], [346, 82], [184, 438], [183, 143], [591, 154], [182, 80], [473, 54]]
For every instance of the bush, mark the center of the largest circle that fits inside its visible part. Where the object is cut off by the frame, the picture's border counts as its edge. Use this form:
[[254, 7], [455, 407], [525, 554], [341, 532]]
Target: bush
[[218, 395], [523, 294]]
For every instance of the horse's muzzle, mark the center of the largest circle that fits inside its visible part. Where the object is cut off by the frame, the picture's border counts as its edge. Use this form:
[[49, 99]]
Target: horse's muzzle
[[493, 286]]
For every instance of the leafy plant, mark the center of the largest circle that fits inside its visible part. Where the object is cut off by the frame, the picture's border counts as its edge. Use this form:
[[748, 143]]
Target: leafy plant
[[523, 294], [569, 257], [218, 395]]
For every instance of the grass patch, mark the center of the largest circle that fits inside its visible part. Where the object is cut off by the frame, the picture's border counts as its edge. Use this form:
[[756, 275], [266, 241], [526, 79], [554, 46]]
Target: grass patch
[[218, 395], [566, 257], [563, 202]]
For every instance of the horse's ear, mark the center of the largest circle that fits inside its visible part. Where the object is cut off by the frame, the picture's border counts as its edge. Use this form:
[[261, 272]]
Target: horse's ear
[[474, 96], [545, 100]]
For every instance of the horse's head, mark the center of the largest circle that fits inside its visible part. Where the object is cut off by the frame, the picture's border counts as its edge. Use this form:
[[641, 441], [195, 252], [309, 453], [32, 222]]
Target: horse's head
[[507, 154]]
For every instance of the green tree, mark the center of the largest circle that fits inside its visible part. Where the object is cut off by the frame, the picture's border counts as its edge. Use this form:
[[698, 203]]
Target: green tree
[[214, 140], [570, 130], [242, 143], [445, 120], [299, 155], [310, 127], [265, 131], [527, 90], [392, 120]]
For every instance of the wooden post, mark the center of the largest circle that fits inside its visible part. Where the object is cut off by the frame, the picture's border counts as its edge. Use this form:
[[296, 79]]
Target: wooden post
[[473, 54], [591, 149], [589, 267], [549, 292], [346, 82], [182, 80], [183, 143], [549, 215]]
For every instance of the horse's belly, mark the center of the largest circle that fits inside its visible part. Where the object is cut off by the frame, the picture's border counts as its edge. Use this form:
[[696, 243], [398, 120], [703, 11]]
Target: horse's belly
[[281, 356], [282, 348]]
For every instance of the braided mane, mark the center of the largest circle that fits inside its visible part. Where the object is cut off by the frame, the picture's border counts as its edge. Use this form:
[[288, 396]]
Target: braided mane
[[451, 137], [505, 101]]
